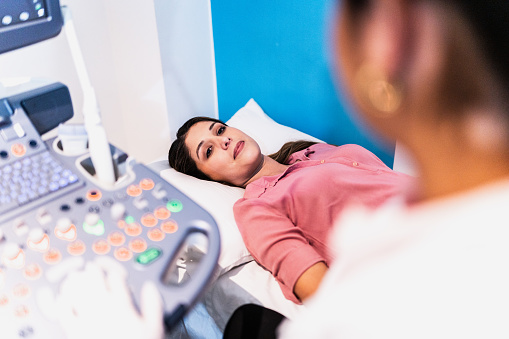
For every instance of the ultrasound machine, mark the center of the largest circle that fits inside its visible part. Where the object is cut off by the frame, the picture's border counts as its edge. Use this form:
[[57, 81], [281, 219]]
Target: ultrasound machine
[[62, 205]]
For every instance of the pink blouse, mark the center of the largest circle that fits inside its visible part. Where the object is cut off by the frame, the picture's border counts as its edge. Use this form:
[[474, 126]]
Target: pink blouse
[[285, 219]]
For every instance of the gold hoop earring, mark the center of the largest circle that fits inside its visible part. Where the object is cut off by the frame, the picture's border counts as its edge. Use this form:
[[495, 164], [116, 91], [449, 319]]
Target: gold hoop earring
[[377, 91]]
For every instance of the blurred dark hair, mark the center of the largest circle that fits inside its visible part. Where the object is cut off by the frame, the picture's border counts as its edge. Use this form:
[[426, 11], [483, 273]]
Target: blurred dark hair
[[179, 156], [489, 20]]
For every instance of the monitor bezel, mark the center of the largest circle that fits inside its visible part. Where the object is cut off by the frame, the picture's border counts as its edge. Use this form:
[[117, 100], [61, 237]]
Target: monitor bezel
[[30, 32]]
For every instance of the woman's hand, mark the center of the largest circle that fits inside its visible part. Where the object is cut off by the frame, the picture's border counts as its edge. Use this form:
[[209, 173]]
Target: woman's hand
[[308, 282], [96, 303]]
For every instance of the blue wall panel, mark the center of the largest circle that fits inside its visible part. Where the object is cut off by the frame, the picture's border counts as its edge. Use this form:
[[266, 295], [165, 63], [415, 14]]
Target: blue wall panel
[[278, 53]]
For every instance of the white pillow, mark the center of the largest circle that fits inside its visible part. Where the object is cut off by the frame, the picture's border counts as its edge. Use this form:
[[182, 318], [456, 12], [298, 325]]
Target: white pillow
[[218, 199]]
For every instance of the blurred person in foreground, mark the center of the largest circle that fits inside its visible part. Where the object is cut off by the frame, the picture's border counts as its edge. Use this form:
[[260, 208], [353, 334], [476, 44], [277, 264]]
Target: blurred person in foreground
[[434, 75]]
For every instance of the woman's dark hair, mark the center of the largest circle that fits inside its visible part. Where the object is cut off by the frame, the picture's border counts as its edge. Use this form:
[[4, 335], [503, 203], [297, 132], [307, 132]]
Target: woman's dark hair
[[179, 156], [489, 20]]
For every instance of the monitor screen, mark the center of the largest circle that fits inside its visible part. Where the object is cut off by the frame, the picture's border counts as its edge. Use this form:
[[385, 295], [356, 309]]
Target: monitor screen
[[24, 22], [14, 12]]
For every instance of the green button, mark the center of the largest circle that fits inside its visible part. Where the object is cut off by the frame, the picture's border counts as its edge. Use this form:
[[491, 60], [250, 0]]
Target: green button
[[97, 229], [129, 219], [174, 206], [148, 256]]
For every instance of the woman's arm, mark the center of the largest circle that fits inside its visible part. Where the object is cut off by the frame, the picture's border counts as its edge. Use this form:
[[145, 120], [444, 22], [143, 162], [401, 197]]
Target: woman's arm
[[309, 281]]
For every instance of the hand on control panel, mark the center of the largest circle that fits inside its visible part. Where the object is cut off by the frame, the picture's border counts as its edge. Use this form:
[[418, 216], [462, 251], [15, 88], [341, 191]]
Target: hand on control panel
[[96, 303]]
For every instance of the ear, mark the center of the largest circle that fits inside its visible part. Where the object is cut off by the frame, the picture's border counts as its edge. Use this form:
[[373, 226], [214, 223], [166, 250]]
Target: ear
[[386, 35]]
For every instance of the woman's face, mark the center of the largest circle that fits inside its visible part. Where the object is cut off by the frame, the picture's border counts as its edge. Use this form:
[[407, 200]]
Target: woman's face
[[223, 153]]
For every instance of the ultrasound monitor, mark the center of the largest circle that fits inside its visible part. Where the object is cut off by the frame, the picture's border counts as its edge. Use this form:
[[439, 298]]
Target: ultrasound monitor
[[24, 22]]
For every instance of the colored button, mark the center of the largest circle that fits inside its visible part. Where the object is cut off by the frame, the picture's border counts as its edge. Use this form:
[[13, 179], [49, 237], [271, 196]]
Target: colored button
[[18, 150], [149, 256], [94, 195], [322, 161], [169, 226], [147, 184], [4, 301], [76, 248], [13, 256], [116, 238], [97, 229], [21, 291], [149, 220], [133, 229], [138, 245], [38, 240], [21, 311], [68, 233], [101, 246], [174, 205], [133, 190], [123, 254], [53, 256], [162, 213], [32, 271], [155, 234], [355, 163]]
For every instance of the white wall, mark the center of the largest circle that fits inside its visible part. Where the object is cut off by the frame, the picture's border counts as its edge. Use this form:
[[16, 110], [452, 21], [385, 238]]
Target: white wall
[[120, 44]]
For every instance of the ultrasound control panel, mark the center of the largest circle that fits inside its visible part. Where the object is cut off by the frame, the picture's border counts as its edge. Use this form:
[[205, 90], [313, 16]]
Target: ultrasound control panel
[[54, 217]]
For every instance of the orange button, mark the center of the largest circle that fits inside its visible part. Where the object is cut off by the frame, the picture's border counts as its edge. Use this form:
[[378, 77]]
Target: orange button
[[76, 248], [21, 291], [148, 220], [101, 246], [123, 254], [94, 195], [32, 272], [162, 213], [21, 311], [138, 245], [116, 238], [53, 256], [133, 190], [155, 234], [4, 301], [169, 226], [133, 229], [18, 150], [121, 224], [147, 184]]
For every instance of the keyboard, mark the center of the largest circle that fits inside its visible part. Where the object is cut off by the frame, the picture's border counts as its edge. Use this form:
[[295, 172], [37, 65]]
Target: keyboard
[[31, 178]]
